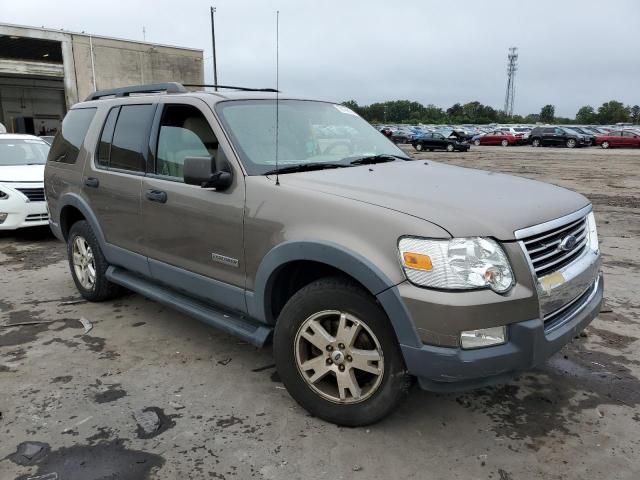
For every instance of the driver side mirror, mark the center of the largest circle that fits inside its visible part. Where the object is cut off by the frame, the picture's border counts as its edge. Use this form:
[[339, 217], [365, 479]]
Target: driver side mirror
[[208, 172]]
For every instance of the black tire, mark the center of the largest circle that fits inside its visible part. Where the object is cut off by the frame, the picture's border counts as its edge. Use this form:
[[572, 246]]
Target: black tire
[[336, 293], [418, 146], [476, 143], [605, 145], [102, 289], [504, 143], [536, 142], [571, 143], [450, 147]]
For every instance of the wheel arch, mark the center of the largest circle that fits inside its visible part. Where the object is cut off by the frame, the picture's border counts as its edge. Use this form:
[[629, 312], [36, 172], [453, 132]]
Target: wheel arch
[[332, 259], [75, 208]]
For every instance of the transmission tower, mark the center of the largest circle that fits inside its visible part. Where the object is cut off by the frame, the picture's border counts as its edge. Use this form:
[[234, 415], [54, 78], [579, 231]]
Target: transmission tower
[[512, 67]]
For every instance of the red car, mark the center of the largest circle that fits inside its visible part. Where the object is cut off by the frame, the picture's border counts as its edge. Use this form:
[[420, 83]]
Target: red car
[[498, 137], [619, 138]]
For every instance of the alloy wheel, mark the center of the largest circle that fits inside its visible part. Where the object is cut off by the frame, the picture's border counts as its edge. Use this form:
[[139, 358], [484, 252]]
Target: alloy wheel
[[84, 264], [476, 143], [505, 143], [536, 143], [605, 144], [339, 357], [571, 143], [449, 148]]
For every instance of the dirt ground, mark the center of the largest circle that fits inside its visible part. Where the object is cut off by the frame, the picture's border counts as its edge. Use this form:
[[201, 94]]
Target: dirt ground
[[223, 414]]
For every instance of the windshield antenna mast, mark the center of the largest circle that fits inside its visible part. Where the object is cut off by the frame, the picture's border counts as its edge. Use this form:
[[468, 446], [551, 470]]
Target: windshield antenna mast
[[277, 89]]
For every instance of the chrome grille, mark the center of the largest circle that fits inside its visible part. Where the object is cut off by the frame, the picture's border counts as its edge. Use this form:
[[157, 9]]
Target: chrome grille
[[562, 315], [37, 217], [544, 252], [33, 194]]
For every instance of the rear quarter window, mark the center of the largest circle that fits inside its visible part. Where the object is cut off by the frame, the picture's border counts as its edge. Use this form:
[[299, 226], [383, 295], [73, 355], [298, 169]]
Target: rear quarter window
[[68, 141]]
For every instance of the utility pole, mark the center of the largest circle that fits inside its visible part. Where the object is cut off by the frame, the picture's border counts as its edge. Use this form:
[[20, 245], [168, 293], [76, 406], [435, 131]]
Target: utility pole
[[213, 41], [512, 67]]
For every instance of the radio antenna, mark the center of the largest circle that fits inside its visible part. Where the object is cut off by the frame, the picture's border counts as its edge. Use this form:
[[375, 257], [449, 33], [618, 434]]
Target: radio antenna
[[277, 90]]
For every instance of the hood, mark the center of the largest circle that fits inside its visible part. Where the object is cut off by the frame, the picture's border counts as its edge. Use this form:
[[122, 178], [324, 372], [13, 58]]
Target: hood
[[463, 201], [22, 173]]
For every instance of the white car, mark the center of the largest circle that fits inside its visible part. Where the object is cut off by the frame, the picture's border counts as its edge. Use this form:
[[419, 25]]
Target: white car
[[22, 202]]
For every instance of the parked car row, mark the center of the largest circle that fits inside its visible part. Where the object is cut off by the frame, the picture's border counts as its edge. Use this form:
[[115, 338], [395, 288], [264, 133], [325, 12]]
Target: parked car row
[[460, 137]]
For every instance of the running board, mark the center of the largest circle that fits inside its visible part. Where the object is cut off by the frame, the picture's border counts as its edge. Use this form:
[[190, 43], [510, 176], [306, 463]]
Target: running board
[[252, 332]]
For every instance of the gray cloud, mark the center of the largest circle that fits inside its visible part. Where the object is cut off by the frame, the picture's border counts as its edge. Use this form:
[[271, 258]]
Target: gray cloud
[[572, 53]]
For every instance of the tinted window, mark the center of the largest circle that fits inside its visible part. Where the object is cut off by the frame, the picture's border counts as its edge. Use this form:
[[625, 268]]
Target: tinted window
[[628, 134], [104, 147], [67, 143], [549, 130], [131, 137], [184, 132]]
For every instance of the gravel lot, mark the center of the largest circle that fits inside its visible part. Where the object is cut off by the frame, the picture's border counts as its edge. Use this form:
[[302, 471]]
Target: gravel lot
[[223, 413]]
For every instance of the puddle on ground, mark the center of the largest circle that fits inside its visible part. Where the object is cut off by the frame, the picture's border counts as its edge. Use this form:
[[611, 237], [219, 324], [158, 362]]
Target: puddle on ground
[[553, 398], [109, 459]]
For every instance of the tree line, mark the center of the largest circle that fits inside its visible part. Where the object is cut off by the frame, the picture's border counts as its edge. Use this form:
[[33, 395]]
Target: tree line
[[406, 111]]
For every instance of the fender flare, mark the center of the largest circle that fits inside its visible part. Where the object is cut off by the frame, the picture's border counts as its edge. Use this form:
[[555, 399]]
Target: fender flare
[[345, 260], [75, 200]]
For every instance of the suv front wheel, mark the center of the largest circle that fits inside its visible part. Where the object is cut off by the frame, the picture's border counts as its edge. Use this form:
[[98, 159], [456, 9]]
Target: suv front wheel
[[338, 355], [88, 265]]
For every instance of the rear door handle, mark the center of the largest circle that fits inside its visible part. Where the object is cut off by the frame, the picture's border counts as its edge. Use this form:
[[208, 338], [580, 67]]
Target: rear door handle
[[92, 182], [156, 196]]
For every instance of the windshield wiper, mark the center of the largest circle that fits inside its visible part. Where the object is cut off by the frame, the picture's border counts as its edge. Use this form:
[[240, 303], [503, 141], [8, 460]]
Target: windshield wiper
[[304, 167], [371, 159]]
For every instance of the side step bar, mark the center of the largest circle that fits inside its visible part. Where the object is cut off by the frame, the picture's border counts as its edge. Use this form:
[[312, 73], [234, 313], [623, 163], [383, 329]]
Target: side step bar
[[252, 332]]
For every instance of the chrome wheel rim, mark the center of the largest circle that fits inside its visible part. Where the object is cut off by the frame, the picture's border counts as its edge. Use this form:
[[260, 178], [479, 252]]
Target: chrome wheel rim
[[605, 144], [571, 143], [419, 147], [477, 143], [449, 148], [339, 357], [536, 143], [84, 264], [505, 143]]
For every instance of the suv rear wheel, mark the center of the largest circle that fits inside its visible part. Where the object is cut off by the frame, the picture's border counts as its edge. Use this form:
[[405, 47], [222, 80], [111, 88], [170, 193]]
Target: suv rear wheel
[[535, 142], [88, 265], [337, 354]]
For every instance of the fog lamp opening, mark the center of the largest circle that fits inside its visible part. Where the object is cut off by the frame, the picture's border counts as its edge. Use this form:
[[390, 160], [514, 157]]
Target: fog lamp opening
[[3, 217], [484, 337]]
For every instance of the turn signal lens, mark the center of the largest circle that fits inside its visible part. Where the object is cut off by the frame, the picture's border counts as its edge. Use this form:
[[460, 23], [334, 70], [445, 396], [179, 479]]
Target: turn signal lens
[[417, 261]]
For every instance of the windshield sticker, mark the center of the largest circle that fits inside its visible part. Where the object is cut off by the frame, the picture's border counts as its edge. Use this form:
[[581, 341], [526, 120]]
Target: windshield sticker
[[346, 110]]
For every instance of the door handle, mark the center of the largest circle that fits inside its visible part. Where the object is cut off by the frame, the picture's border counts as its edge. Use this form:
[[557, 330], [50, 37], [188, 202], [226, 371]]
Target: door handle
[[156, 196], [92, 182]]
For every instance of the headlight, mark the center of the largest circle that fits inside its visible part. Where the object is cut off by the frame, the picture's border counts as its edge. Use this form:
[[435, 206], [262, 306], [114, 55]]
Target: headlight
[[593, 232], [457, 264]]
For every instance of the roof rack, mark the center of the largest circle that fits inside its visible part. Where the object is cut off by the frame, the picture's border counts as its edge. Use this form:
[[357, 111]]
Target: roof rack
[[230, 87], [169, 87]]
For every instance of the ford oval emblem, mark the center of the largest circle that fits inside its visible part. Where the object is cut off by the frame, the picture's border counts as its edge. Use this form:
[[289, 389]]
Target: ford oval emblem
[[568, 243]]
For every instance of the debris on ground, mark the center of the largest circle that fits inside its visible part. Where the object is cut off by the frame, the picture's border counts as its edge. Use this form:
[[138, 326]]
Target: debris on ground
[[357, 468], [86, 324], [176, 405], [224, 361], [147, 420], [73, 302], [29, 453]]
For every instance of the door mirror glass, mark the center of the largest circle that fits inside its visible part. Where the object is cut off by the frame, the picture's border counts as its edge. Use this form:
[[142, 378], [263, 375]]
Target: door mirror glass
[[208, 172]]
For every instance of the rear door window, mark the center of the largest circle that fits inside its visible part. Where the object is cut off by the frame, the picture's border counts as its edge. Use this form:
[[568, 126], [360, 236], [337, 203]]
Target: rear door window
[[67, 143], [130, 143], [104, 147]]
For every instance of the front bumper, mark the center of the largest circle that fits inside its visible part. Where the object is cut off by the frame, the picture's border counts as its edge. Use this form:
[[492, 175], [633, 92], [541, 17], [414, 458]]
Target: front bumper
[[528, 345], [23, 214]]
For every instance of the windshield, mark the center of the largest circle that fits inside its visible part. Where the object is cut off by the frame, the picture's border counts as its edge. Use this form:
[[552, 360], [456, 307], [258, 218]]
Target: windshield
[[309, 132], [23, 152]]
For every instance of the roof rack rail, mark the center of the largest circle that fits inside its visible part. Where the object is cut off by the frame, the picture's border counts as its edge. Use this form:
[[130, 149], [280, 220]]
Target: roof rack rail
[[230, 87], [169, 87]]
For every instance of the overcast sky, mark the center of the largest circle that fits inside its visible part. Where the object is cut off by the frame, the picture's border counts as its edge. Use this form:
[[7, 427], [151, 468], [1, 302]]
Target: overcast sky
[[572, 53]]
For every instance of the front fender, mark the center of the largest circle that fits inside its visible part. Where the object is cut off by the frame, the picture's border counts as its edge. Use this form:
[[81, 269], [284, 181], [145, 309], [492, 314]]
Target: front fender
[[343, 259]]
